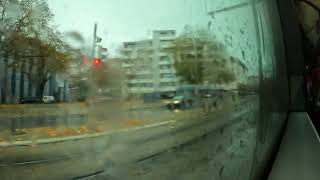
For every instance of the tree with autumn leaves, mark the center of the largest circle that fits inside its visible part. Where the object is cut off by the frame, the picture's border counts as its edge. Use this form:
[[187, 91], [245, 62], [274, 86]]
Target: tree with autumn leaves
[[29, 45], [44, 58], [200, 58]]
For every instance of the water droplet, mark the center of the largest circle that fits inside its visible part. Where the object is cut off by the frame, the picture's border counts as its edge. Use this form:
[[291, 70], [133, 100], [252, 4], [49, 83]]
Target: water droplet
[[13, 11], [74, 39]]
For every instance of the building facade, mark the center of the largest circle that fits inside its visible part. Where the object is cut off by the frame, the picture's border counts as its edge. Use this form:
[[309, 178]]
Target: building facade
[[149, 68], [15, 85]]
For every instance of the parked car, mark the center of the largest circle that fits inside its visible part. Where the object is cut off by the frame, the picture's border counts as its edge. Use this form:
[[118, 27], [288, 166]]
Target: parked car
[[30, 100], [48, 99], [37, 100], [180, 102]]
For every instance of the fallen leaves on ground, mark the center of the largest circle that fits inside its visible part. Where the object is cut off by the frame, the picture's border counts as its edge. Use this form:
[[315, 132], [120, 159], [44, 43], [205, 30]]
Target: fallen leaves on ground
[[133, 122], [52, 132], [60, 131], [83, 129], [69, 132], [43, 132]]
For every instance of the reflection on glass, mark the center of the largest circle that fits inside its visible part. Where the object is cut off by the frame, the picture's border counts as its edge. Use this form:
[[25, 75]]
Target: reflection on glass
[[129, 89]]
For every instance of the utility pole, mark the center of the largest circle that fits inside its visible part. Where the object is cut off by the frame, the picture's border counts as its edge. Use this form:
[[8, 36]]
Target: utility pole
[[93, 54], [94, 40]]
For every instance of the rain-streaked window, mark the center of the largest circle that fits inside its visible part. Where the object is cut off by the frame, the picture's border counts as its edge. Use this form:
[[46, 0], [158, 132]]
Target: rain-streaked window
[[139, 89]]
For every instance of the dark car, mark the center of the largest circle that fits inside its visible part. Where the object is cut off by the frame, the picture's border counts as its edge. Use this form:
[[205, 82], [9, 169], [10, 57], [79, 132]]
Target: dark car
[[31, 100], [180, 102], [167, 95]]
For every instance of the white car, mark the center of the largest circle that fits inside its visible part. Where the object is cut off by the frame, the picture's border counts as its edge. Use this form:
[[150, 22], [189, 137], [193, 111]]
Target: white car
[[48, 99]]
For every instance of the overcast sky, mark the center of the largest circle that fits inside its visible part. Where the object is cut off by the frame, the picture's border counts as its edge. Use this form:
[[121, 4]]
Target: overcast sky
[[126, 20]]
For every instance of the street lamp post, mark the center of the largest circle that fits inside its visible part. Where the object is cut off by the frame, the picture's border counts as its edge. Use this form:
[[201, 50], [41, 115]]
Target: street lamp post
[[94, 40]]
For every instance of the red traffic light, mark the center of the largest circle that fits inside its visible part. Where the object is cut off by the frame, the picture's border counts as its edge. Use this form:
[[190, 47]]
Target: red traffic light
[[96, 62]]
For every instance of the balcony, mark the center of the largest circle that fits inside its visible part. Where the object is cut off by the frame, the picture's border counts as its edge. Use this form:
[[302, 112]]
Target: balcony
[[167, 71], [146, 49], [167, 37], [167, 62], [166, 45], [168, 88], [138, 72], [132, 81], [141, 89], [126, 65], [127, 49], [173, 79]]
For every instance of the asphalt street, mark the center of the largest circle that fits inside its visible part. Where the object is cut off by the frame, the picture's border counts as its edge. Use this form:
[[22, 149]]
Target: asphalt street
[[130, 151]]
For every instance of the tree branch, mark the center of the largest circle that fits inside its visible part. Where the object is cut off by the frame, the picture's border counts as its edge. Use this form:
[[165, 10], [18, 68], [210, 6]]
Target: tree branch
[[2, 13]]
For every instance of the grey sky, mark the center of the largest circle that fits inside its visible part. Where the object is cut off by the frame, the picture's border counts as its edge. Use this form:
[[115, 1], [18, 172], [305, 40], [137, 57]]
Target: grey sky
[[126, 20]]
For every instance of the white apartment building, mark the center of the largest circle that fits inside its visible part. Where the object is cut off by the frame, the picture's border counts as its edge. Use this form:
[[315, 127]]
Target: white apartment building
[[148, 66]]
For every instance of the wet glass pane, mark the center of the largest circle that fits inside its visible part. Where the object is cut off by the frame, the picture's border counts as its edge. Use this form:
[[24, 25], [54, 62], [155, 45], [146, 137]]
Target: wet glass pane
[[139, 89]]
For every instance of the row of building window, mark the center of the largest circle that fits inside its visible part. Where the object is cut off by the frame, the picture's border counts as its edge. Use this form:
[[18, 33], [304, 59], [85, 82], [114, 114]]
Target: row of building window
[[165, 84], [165, 33], [136, 69], [164, 58], [141, 85], [166, 43], [132, 61], [168, 75], [165, 67], [142, 76]]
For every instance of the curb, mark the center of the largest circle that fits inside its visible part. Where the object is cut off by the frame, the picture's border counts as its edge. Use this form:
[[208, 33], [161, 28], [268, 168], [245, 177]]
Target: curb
[[77, 137]]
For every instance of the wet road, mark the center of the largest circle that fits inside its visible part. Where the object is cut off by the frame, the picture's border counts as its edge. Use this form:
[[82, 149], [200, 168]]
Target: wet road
[[222, 152], [125, 150], [213, 156]]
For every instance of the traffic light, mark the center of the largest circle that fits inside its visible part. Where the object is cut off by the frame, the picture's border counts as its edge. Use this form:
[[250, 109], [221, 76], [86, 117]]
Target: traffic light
[[98, 39], [97, 62]]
